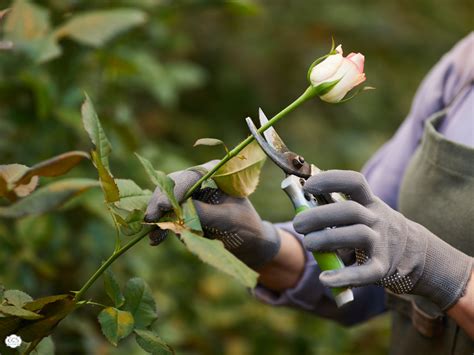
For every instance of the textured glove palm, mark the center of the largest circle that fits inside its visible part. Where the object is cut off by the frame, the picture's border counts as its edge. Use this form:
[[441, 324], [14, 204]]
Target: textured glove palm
[[391, 250], [232, 220]]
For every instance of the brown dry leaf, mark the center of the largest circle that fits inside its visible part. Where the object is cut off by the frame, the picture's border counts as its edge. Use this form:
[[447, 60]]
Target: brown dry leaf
[[56, 166], [9, 174]]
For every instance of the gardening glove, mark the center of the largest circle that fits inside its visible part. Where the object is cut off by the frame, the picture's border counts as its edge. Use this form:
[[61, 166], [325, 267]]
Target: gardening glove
[[232, 220], [391, 250]]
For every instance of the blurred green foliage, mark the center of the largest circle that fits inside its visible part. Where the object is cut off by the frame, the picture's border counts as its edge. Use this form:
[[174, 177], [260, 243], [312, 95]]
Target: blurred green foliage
[[192, 69]]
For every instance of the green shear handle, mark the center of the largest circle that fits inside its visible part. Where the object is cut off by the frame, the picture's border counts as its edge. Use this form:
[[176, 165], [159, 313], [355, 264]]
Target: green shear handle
[[326, 261]]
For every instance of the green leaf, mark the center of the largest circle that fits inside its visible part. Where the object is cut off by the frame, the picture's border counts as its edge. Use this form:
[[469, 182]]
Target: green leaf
[[47, 198], [16, 297], [214, 253], [19, 312], [107, 182], [152, 343], [9, 175], [132, 197], [112, 288], [162, 180], [56, 166], [2, 292], [94, 28], [191, 218], [115, 324], [92, 125], [45, 347], [239, 176], [211, 142], [208, 141], [139, 302]]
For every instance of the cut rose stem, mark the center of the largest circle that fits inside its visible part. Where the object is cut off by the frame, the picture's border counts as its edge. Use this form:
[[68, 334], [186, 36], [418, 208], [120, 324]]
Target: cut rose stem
[[309, 93]]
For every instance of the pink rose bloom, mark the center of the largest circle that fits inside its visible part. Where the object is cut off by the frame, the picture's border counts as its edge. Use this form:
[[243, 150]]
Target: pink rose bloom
[[349, 70]]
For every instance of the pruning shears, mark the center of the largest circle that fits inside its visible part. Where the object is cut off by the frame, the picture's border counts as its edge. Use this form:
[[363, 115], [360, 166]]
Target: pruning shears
[[297, 170]]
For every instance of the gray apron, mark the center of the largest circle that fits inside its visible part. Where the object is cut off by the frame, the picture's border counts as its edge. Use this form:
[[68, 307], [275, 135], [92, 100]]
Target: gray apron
[[437, 191]]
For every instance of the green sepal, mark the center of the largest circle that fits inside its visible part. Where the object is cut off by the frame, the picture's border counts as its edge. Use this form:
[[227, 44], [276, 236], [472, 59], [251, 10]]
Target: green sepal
[[324, 88]]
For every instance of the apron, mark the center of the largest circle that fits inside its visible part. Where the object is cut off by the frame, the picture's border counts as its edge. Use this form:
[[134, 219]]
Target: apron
[[437, 191]]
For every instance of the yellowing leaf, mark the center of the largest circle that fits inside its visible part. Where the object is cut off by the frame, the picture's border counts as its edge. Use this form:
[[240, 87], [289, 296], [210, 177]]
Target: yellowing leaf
[[52, 314], [19, 312], [94, 28], [115, 324], [111, 191], [239, 176]]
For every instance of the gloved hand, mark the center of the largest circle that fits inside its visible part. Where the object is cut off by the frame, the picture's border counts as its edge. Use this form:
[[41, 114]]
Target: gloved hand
[[391, 250], [232, 220]]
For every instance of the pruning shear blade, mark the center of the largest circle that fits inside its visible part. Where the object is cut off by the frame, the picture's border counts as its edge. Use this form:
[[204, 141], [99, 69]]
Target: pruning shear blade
[[290, 162]]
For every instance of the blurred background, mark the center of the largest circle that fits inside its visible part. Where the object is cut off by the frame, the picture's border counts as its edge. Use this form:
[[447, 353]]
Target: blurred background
[[196, 69]]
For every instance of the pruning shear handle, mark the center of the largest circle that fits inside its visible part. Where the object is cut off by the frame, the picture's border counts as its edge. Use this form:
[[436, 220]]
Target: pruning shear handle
[[326, 261]]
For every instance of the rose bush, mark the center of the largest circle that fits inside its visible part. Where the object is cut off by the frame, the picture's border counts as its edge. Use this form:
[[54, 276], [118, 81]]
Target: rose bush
[[344, 72]]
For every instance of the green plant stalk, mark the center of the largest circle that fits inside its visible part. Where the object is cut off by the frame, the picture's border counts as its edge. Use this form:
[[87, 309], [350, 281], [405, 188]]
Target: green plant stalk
[[110, 260], [308, 94]]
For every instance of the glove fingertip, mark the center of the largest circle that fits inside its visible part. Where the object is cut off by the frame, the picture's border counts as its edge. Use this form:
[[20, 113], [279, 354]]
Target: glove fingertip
[[157, 236], [329, 278], [152, 214], [300, 222]]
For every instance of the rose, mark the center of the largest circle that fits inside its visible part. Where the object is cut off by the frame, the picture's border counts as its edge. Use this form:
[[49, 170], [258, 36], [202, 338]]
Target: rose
[[334, 76], [13, 341]]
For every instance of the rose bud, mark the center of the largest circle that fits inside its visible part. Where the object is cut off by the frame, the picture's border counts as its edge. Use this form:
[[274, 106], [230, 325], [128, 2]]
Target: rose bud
[[336, 75]]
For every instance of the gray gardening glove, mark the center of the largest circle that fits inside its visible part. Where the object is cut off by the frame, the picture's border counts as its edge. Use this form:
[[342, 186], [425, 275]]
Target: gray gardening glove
[[391, 250], [232, 220]]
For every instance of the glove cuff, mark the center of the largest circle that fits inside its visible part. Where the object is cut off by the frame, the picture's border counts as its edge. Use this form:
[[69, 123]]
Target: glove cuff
[[271, 246], [445, 275]]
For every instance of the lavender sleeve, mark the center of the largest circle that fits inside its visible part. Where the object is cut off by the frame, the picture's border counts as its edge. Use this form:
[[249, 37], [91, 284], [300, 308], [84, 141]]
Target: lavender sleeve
[[449, 83]]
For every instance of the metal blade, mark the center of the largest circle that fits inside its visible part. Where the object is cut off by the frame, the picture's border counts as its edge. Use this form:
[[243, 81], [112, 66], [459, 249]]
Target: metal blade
[[285, 160], [271, 135]]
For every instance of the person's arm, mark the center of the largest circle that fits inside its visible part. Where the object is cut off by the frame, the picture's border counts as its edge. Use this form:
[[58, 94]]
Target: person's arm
[[284, 271], [463, 310]]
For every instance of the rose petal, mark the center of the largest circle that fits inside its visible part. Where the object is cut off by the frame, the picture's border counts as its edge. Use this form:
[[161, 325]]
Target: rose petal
[[326, 69], [358, 59], [349, 75]]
